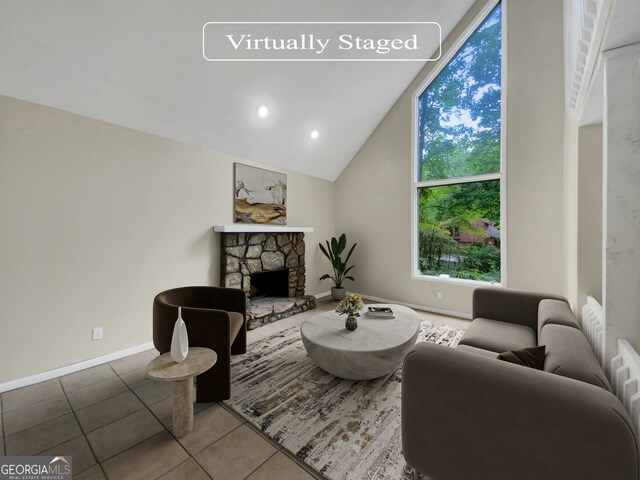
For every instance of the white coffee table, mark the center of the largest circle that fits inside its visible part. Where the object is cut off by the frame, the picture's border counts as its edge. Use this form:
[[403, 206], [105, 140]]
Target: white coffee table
[[375, 348]]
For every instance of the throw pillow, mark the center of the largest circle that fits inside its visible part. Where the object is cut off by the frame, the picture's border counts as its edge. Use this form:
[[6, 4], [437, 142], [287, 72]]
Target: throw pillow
[[529, 357]]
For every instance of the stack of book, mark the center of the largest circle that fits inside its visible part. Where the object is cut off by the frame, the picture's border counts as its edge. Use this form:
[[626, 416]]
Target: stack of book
[[380, 312]]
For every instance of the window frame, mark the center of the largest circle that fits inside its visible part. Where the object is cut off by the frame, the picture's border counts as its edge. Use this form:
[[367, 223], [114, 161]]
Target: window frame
[[443, 61]]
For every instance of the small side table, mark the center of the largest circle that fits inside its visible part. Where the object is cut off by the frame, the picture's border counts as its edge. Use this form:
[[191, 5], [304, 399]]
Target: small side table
[[164, 369]]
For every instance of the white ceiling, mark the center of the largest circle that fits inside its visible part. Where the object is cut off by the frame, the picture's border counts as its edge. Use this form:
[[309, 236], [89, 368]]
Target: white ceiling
[[623, 29], [139, 64]]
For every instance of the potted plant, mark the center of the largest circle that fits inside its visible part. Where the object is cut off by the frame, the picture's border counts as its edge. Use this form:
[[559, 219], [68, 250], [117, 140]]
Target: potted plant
[[333, 252]]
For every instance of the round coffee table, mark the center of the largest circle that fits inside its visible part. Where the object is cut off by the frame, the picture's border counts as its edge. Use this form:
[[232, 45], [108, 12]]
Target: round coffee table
[[163, 368], [375, 348]]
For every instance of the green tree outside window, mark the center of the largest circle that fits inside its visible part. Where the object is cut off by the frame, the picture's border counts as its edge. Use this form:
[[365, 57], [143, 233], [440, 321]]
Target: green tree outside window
[[458, 184]]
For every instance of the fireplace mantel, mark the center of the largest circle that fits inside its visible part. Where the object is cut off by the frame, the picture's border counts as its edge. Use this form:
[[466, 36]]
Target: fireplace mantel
[[258, 228]]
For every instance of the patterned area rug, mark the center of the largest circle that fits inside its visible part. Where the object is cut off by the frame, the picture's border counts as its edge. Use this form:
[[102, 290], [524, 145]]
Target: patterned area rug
[[343, 429]]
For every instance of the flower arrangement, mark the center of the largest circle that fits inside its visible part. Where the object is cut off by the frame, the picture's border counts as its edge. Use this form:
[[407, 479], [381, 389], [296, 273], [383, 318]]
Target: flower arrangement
[[350, 306]]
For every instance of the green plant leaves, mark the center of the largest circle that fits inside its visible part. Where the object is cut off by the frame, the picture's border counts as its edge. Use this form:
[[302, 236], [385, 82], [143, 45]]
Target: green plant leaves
[[350, 252], [333, 252]]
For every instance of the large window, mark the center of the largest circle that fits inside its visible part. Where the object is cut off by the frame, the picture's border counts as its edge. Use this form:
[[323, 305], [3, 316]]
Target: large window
[[458, 170]]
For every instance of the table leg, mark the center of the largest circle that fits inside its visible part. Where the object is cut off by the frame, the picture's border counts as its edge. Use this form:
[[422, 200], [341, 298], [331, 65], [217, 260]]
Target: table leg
[[183, 407]]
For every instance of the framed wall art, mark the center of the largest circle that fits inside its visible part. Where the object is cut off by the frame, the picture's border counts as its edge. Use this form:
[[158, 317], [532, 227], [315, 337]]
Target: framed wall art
[[260, 195]]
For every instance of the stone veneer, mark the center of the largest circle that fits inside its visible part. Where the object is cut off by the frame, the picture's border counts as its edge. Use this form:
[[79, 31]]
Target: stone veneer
[[247, 253], [264, 310]]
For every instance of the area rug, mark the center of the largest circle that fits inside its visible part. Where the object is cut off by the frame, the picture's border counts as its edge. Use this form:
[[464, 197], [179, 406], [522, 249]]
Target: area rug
[[342, 429]]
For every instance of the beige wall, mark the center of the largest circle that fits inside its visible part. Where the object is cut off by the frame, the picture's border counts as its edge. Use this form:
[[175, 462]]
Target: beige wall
[[583, 212], [535, 119], [570, 188], [97, 218], [374, 192], [590, 188]]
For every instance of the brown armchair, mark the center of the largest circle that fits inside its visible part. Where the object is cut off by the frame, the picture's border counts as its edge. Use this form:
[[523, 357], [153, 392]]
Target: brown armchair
[[215, 318]]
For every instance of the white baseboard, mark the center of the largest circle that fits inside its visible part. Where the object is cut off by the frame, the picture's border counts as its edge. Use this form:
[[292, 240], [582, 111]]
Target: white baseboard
[[440, 311], [76, 367], [321, 295]]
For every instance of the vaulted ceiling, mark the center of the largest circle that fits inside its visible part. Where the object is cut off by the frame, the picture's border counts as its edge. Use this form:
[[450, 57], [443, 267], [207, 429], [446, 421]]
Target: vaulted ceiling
[[139, 64], [622, 29]]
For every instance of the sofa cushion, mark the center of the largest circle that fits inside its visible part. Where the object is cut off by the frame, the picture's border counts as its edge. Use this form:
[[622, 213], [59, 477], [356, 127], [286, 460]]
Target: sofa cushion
[[569, 355], [557, 313], [532, 357], [478, 351], [498, 336]]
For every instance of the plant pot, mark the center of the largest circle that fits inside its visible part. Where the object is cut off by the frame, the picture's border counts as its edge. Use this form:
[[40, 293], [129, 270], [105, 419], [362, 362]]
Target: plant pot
[[338, 293], [351, 323]]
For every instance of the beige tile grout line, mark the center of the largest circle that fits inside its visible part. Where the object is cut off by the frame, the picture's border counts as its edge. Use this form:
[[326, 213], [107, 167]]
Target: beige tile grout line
[[84, 434], [170, 431], [258, 467], [93, 385], [4, 437], [159, 433], [279, 447], [145, 406], [72, 411], [194, 456], [245, 422], [191, 457]]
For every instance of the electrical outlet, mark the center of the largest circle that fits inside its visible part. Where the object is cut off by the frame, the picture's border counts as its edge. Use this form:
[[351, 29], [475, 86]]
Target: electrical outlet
[[96, 333], [438, 295]]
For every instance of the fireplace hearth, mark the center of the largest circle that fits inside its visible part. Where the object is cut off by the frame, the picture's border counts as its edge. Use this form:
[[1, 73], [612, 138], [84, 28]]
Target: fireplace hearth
[[270, 268]]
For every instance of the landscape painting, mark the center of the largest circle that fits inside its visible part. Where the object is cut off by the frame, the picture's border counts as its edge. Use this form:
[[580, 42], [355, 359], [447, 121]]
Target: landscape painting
[[260, 195]]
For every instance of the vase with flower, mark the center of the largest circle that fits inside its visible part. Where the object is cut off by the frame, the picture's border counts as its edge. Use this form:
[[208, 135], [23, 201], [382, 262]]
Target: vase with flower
[[351, 306]]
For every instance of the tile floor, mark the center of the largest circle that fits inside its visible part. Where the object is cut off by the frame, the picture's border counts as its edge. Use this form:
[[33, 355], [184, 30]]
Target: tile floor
[[116, 423]]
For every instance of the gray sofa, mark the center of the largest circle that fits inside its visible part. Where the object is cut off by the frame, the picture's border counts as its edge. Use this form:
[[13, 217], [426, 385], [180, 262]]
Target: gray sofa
[[467, 415]]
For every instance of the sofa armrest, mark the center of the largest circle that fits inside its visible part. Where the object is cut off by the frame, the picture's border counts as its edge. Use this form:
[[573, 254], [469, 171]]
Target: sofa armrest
[[465, 416], [509, 305], [233, 300], [230, 299]]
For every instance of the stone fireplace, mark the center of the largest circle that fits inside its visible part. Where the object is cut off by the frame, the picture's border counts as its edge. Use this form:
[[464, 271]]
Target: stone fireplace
[[270, 268]]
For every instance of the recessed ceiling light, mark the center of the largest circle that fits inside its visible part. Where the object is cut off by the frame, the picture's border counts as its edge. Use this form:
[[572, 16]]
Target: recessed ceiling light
[[263, 112], [314, 134]]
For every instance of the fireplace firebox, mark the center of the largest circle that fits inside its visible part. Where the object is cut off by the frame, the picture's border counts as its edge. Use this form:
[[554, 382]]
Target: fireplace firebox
[[270, 284]]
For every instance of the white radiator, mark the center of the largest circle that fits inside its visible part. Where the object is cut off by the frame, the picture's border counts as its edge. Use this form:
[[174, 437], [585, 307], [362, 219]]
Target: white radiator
[[625, 379], [593, 327], [625, 365]]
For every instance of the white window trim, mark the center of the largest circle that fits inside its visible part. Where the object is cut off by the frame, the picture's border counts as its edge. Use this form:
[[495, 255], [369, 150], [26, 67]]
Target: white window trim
[[459, 180], [502, 175]]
